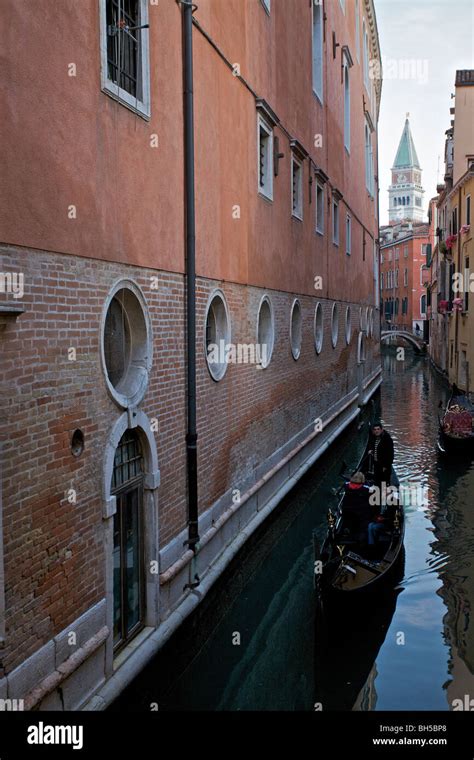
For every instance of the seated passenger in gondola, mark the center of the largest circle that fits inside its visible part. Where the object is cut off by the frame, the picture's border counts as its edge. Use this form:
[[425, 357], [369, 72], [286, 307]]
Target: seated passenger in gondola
[[381, 524], [357, 510]]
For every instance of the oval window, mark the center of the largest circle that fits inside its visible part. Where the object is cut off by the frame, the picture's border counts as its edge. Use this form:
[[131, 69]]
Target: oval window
[[318, 328], [127, 344], [217, 335], [265, 331], [334, 324], [348, 325], [296, 329]]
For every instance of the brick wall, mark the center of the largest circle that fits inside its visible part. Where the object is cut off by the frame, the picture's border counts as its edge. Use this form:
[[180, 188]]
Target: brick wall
[[54, 554]]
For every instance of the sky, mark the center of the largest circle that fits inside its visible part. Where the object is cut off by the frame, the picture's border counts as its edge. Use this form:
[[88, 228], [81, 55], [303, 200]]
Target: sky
[[437, 37]]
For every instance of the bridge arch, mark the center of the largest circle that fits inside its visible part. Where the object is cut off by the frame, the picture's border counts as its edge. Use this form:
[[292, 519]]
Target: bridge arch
[[416, 342]]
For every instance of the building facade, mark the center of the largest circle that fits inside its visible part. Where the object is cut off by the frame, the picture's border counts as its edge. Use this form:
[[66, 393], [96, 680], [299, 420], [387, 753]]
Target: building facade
[[451, 325], [405, 250], [97, 569]]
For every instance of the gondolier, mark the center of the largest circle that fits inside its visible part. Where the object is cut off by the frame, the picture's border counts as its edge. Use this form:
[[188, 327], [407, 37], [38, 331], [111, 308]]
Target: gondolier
[[380, 448]]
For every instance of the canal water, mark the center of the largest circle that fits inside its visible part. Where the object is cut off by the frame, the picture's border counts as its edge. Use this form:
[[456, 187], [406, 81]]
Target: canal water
[[254, 644]]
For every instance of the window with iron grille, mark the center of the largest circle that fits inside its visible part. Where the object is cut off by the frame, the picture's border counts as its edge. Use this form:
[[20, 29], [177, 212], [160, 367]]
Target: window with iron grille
[[335, 222], [319, 208], [125, 53], [265, 158], [296, 187]]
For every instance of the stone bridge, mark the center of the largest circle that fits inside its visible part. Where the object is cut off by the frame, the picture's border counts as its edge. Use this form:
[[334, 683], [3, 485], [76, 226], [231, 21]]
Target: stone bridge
[[418, 343]]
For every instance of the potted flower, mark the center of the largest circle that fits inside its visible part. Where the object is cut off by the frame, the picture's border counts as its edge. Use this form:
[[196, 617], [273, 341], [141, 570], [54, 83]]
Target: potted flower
[[450, 240], [464, 229]]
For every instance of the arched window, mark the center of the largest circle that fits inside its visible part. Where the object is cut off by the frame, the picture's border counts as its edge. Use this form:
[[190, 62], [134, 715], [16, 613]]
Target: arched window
[[408, 200], [423, 305], [128, 580]]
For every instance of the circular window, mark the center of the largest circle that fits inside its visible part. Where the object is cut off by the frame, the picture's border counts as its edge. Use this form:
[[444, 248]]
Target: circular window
[[334, 324], [77, 443], [217, 335], [127, 346], [318, 328], [296, 329], [265, 331], [348, 325], [361, 348]]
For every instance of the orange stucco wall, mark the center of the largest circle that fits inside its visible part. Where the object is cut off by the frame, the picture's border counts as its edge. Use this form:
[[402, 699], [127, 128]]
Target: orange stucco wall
[[68, 143]]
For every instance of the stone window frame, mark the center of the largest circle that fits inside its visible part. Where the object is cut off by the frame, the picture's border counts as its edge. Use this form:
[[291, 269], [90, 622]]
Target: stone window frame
[[334, 324], [134, 420], [318, 338], [142, 107], [296, 348], [219, 373], [348, 325], [266, 299], [123, 400]]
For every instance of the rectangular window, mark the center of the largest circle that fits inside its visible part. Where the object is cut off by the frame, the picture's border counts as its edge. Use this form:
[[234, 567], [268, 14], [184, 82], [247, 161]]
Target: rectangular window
[[397, 254], [357, 30], [296, 187], [455, 221], [405, 251], [335, 222], [381, 258], [396, 278], [365, 42], [347, 108], [424, 246], [318, 50], [381, 280], [369, 169], [390, 255], [124, 46], [320, 208], [468, 209], [466, 284], [348, 235], [265, 158], [405, 277]]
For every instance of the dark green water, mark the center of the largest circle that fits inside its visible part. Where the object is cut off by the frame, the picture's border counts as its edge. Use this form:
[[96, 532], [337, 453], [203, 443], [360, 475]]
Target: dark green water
[[413, 649]]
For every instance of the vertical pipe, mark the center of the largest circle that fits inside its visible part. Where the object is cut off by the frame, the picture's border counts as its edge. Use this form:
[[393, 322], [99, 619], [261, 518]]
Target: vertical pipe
[[191, 435]]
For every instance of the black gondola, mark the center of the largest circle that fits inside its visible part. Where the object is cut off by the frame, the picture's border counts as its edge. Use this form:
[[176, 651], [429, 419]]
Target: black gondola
[[348, 565], [456, 426], [344, 659]]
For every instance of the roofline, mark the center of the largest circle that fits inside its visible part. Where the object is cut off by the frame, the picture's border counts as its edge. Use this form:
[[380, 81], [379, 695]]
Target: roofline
[[374, 34]]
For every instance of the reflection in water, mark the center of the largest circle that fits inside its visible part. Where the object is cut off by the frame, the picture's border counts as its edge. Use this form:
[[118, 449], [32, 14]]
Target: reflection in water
[[413, 649], [349, 634]]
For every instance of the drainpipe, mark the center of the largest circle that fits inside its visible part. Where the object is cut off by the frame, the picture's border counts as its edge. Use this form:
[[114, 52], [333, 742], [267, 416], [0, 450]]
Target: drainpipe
[[188, 9]]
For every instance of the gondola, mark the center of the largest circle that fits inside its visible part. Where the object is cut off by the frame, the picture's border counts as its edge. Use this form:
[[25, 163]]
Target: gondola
[[347, 564], [344, 658], [456, 426]]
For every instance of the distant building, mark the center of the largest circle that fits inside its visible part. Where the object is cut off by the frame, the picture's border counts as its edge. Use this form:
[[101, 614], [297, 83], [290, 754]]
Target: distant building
[[406, 192], [404, 252]]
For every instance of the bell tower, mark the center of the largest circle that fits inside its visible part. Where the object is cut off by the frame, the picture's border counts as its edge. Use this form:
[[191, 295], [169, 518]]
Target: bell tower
[[406, 193]]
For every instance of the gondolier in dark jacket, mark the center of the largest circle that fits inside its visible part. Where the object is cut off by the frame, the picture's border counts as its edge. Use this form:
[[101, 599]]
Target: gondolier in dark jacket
[[380, 449]]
